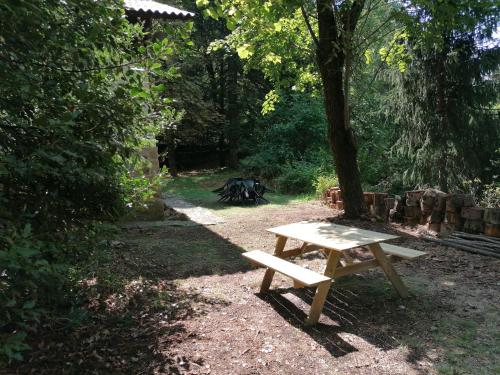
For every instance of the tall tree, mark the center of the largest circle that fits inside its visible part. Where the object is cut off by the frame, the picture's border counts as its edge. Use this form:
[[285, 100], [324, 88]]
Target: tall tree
[[298, 44], [334, 49], [445, 95]]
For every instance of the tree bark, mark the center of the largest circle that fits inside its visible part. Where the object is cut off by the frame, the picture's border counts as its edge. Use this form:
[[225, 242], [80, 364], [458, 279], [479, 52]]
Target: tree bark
[[331, 61], [442, 120], [233, 110]]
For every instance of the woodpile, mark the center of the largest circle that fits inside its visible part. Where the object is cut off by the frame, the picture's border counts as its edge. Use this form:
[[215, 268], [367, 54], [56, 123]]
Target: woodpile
[[441, 212], [376, 204], [472, 243], [333, 198]]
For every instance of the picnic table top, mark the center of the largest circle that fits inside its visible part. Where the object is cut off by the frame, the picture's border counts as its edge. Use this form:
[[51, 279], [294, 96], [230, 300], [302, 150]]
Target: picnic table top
[[330, 236]]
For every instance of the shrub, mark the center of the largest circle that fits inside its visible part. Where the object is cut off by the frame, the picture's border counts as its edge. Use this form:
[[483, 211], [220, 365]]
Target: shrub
[[323, 183], [290, 147], [71, 110], [30, 278], [297, 178], [491, 195]]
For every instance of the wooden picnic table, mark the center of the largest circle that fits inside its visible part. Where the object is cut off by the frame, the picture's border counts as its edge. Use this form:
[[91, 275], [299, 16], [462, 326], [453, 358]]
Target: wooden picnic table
[[335, 241]]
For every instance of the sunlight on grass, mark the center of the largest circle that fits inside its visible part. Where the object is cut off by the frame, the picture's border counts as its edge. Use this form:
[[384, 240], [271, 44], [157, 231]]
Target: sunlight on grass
[[197, 189]]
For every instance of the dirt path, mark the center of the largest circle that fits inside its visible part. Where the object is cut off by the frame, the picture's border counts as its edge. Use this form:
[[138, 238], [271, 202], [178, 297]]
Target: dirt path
[[194, 213], [189, 307]]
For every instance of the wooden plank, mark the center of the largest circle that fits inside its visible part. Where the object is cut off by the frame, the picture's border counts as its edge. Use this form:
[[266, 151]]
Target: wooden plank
[[356, 267], [389, 270], [318, 303], [299, 250], [331, 263], [402, 252], [268, 276], [330, 236], [323, 288], [294, 271]]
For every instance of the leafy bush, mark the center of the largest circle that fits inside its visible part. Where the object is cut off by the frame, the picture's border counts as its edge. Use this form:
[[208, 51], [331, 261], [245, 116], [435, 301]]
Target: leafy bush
[[27, 275], [290, 146], [491, 195], [297, 177], [71, 110], [323, 183]]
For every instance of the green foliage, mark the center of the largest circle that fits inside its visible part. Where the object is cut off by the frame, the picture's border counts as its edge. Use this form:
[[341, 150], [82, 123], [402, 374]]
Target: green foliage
[[491, 195], [26, 276], [297, 177], [291, 145], [323, 183], [79, 94]]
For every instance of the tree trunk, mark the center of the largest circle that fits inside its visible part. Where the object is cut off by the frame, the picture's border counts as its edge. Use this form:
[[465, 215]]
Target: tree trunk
[[233, 110], [331, 63], [442, 120]]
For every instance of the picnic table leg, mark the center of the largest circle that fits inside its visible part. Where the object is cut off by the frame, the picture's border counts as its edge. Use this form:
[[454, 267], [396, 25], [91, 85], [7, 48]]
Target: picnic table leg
[[268, 276], [389, 270], [323, 288], [332, 262], [318, 302]]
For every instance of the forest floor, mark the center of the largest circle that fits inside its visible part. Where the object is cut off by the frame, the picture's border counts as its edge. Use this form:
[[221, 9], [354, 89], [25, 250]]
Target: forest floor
[[181, 300]]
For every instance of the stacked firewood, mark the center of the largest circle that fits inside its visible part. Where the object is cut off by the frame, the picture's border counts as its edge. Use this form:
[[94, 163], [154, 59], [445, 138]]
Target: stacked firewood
[[433, 208], [333, 198], [378, 204], [441, 212]]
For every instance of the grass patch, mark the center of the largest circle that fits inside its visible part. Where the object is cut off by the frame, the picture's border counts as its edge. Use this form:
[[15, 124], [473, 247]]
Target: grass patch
[[469, 346], [197, 189]]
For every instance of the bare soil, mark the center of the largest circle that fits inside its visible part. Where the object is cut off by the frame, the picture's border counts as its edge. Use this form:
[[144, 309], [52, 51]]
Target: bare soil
[[185, 302]]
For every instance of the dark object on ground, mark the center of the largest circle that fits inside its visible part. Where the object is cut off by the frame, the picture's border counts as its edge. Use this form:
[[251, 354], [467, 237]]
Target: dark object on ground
[[478, 244], [241, 190]]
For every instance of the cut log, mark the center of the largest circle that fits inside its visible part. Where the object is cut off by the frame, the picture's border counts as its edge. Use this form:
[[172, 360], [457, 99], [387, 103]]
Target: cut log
[[492, 215], [412, 211], [473, 226], [468, 201], [378, 211], [441, 202], [368, 197], [472, 213], [436, 217], [431, 198], [477, 236], [413, 197], [486, 244], [454, 218], [469, 249], [492, 230], [339, 205], [389, 203], [378, 198]]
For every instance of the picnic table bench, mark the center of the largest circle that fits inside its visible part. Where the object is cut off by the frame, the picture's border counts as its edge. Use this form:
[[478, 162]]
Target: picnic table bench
[[335, 241]]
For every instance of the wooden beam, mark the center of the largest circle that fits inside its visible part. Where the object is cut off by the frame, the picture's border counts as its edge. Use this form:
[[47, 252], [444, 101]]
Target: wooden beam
[[299, 250], [318, 302], [385, 263], [355, 268], [268, 276]]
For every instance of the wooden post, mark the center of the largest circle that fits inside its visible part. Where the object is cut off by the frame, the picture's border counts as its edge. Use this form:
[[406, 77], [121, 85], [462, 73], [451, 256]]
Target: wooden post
[[331, 263], [268, 276], [323, 288], [389, 270], [318, 302]]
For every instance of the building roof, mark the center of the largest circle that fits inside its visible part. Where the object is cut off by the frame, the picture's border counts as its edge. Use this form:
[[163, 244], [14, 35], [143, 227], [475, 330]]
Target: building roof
[[154, 9]]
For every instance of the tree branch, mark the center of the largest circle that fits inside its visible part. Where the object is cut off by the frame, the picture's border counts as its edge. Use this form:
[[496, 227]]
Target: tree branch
[[309, 26]]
